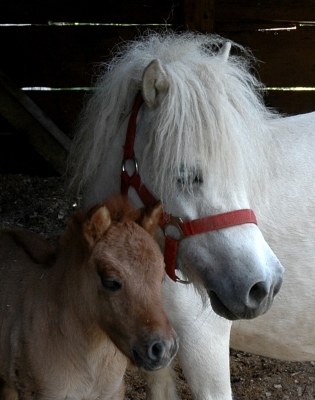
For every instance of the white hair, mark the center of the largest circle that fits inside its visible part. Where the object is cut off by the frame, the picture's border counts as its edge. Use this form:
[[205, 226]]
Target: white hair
[[212, 110]]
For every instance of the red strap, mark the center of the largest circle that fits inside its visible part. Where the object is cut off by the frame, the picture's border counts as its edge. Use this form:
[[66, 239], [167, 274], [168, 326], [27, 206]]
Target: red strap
[[124, 183], [170, 255], [219, 221], [131, 129], [135, 181], [147, 199]]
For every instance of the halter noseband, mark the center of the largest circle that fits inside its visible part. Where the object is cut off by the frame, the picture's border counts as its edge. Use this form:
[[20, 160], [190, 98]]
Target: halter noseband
[[185, 228]]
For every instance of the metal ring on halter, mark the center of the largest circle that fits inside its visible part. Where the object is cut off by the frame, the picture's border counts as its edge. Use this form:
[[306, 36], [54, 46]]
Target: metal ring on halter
[[176, 222], [123, 164], [183, 282]]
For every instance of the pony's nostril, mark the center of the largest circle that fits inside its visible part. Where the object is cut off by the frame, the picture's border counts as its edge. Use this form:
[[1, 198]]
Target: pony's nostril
[[276, 289], [156, 350], [257, 294], [277, 286]]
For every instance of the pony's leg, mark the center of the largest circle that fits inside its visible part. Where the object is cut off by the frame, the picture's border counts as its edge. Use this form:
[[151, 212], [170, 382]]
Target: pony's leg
[[203, 347], [160, 385]]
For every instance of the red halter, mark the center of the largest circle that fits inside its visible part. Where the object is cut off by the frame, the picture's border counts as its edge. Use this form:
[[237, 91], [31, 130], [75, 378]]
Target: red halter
[[185, 228]]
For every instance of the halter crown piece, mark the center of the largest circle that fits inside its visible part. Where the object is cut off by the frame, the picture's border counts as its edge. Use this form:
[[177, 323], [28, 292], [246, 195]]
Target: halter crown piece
[[185, 228]]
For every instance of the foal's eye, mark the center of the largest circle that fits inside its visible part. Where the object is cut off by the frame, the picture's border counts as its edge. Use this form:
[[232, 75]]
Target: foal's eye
[[111, 284]]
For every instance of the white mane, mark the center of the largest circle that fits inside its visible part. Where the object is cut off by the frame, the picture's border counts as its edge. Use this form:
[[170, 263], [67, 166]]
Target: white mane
[[212, 104]]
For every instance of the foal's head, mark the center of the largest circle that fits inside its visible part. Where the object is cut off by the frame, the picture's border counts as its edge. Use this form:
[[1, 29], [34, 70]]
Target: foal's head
[[126, 270]]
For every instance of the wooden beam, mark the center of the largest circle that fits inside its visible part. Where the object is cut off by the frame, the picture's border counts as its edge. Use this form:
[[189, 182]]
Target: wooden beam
[[199, 15], [58, 56], [240, 12], [287, 57], [291, 102], [109, 11], [25, 116]]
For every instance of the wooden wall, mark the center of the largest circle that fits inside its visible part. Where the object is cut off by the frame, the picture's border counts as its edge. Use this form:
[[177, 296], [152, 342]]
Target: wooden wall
[[38, 52]]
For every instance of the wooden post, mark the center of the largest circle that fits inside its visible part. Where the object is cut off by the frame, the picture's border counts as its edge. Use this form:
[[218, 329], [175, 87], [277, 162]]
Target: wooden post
[[199, 15]]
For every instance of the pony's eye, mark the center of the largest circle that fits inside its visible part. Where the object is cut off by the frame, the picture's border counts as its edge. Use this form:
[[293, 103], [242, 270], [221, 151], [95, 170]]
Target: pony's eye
[[197, 179], [189, 179], [111, 284]]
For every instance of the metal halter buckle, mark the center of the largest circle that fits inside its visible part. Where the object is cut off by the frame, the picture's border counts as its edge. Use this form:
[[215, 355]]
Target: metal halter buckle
[[181, 281], [135, 162], [175, 222]]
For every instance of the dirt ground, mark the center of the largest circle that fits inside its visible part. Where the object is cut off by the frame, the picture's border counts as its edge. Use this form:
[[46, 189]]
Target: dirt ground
[[41, 204]]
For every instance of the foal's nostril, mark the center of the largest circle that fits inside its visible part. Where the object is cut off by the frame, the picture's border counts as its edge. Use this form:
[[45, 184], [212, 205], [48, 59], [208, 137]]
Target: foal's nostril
[[156, 350], [257, 294]]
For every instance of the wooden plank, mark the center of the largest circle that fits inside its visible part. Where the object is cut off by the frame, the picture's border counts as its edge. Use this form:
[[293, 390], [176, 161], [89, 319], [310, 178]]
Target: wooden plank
[[63, 107], [291, 102], [148, 11], [17, 156], [110, 11], [240, 11], [199, 15], [66, 56], [56, 56], [23, 114], [249, 26], [287, 57]]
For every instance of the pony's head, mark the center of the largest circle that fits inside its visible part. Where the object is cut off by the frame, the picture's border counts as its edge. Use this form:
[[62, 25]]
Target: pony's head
[[200, 146]]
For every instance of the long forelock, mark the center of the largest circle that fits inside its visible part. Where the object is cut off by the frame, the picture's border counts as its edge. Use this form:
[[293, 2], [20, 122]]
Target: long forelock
[[205, 122]]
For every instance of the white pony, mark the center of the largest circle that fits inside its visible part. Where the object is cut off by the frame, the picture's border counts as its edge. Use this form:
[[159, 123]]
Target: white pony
[[205, 144]]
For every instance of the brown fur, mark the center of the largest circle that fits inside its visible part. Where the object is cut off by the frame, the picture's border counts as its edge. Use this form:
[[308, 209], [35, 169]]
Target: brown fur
[[64, 331]]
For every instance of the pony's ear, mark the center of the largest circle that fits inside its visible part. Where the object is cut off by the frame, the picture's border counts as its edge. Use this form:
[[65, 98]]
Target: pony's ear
[[150, 218], [97, 225], [154, 83], [225, 51]]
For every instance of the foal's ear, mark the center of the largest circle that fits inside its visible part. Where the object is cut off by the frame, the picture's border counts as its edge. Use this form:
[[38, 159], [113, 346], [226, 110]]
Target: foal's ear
[[151, 217], [95, 227], [154, 83], [224, 52]]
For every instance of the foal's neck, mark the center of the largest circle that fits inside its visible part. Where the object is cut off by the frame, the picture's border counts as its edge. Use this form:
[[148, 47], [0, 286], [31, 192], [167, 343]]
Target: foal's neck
[[68, 283]]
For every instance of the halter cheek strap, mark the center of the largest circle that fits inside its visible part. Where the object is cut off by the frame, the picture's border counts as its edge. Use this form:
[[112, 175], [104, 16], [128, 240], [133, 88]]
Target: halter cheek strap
[[185, 228], [197, 226]]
